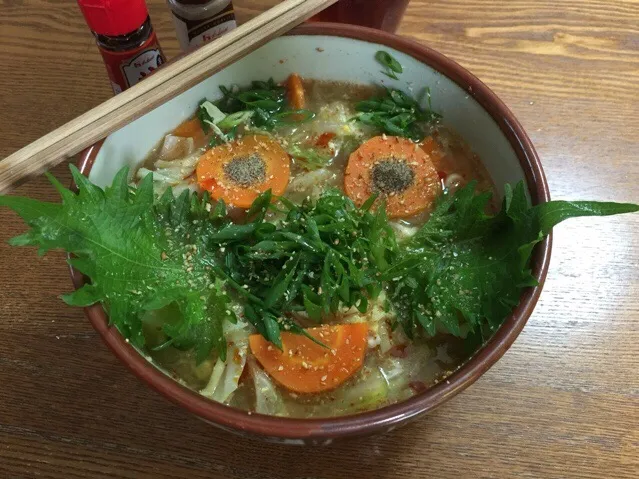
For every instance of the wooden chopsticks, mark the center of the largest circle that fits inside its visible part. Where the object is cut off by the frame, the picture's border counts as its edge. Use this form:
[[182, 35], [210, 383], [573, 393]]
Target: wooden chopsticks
[[166, 83]]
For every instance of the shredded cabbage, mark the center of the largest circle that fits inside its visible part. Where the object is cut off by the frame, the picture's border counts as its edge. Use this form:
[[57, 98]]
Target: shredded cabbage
[[188, 162], [311, 184], [176, 173], [222, 385], [218, 370], [366, 393], [175, 147], [214, 112], [402, 231], [267, 398], [226, 374]]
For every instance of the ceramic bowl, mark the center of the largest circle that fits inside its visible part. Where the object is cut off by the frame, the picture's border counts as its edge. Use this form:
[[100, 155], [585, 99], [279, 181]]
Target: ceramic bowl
[[344, 53]]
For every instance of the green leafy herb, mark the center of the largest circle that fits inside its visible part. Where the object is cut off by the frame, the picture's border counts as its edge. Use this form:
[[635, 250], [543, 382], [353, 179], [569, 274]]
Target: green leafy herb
[[212, 118], [319, 258], [397, 114], [209, 115], [235, 119], [463, 272], [265, 101], [310, 158], [140, 255], [392, 66], [293, 117], [263, 105]]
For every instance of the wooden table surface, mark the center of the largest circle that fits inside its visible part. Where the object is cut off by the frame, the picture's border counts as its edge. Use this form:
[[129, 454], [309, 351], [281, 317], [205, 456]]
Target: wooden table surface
[[563, 402]]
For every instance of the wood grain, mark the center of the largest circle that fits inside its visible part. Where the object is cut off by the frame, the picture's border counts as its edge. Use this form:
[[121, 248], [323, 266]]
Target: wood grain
[[562, 403], [175, 78]]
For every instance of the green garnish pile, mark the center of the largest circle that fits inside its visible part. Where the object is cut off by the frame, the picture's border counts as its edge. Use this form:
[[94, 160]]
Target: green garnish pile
[[398, 114], [262, 105], [317, 258], [461, 274], [394, 112]]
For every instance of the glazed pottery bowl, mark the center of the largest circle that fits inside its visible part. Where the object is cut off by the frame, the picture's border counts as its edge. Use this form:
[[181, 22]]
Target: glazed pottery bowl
[[343, 53]]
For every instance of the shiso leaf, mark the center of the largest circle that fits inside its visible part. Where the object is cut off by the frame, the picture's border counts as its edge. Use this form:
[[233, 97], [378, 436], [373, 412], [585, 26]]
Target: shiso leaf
[[138, 254], [464, 270], [462, 273]]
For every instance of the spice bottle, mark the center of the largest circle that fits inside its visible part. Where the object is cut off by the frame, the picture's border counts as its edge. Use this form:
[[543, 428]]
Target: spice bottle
[[126, 39], [199, 21]]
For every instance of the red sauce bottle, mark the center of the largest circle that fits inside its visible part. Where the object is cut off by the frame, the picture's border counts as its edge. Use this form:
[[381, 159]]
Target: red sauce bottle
[[380, 14], [126, 39]]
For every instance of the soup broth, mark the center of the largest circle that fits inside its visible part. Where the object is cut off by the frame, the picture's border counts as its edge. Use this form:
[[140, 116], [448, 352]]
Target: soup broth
[[395, 366]]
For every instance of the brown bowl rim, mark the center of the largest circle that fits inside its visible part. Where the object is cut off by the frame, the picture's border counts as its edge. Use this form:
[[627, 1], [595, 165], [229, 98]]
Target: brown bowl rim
[[388, 417]]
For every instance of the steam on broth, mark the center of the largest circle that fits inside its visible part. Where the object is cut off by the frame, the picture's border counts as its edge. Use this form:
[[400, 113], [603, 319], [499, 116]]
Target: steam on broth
[[395, 367]]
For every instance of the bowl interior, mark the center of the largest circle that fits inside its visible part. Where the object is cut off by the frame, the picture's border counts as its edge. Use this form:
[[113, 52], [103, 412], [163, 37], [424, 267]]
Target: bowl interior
[[326, 58], [341, 53]]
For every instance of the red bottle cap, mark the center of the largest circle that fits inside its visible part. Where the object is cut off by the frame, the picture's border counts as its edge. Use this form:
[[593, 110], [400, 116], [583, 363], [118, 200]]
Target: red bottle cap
[[114, 17]]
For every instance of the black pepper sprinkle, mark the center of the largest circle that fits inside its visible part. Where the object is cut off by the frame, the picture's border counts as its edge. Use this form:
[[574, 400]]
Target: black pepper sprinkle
[[391, 176], [246, 171]]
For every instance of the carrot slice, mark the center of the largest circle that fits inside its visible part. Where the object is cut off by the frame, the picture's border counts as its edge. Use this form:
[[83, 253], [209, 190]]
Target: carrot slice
[[238, 172], [398, 170], [189, 129], [306, 367], [296, 96]]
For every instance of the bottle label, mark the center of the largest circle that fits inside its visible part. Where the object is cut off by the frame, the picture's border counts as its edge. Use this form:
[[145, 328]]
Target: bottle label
[[125, 69], [141, 66], [192, 33]]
